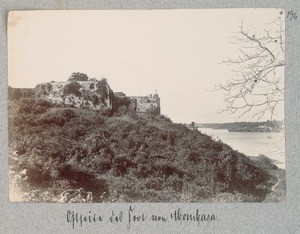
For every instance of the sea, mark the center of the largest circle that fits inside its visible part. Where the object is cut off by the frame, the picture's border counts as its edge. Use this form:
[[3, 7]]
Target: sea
[[270, 144]]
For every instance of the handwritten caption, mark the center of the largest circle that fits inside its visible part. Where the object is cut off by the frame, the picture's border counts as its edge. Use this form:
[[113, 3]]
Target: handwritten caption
[[132, 216]]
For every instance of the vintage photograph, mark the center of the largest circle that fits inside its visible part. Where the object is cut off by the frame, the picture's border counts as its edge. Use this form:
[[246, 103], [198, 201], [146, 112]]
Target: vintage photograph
[[113, 106]]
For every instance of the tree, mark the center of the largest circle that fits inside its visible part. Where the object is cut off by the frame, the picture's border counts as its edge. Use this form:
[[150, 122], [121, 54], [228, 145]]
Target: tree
[[192, 125], [258, 85], [102, 88], [72, 88], [78, 76]]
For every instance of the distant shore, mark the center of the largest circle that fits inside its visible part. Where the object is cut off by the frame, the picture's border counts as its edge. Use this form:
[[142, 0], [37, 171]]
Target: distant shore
[[266, 126]]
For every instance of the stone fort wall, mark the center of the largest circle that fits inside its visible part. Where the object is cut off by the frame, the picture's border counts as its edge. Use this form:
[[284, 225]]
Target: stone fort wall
[[89, 97], [54, 91], [147, 103]]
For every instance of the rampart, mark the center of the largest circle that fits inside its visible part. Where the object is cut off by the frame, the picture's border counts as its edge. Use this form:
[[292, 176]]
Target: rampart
[[150, 103], [92, 94]]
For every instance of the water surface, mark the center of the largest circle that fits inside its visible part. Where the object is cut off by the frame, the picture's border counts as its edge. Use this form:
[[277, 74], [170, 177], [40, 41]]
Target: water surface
[[271, 144]]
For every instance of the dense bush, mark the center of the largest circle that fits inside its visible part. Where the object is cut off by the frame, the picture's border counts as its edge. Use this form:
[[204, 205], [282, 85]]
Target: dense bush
[[32, 106], [121, 104], [60, 117], [72, 88], [16, 94], [102, 88], [124, 157]]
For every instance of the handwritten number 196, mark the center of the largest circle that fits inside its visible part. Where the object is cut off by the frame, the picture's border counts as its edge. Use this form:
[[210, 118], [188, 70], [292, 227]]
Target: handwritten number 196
[[291, 15]]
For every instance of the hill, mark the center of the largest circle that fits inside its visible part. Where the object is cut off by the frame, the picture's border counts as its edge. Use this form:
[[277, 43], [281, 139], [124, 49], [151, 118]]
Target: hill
[[63, 154]]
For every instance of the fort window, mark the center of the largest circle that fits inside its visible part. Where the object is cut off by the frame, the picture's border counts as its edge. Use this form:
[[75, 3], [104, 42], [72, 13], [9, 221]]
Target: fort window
[[92, 86]]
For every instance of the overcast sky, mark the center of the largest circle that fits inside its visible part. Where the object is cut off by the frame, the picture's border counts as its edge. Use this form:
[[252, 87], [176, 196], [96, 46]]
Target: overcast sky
[[176, 52]]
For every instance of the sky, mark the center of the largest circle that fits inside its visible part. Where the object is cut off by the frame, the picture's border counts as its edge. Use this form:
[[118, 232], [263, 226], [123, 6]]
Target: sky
[[176, 53]]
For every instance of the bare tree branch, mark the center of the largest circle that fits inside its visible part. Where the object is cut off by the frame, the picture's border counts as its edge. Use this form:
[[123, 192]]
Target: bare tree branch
[[258, 85]]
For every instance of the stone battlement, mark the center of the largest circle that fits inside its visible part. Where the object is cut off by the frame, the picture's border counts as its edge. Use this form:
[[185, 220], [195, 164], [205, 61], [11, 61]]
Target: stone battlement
[[93, 94], [146, 103]]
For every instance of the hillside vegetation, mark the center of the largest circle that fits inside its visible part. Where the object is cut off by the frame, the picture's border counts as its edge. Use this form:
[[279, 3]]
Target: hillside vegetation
[[81, 155]]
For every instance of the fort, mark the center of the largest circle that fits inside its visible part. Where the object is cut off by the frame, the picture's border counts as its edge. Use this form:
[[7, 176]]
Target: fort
[[94, 94], [147, 103]]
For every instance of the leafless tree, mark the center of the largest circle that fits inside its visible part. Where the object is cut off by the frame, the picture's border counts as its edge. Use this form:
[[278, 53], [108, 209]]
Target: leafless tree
[[258, 85]]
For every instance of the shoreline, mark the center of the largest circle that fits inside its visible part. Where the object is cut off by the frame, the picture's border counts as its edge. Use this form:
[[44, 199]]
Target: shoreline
[[252, 144], [272, 164], [277, 189]]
